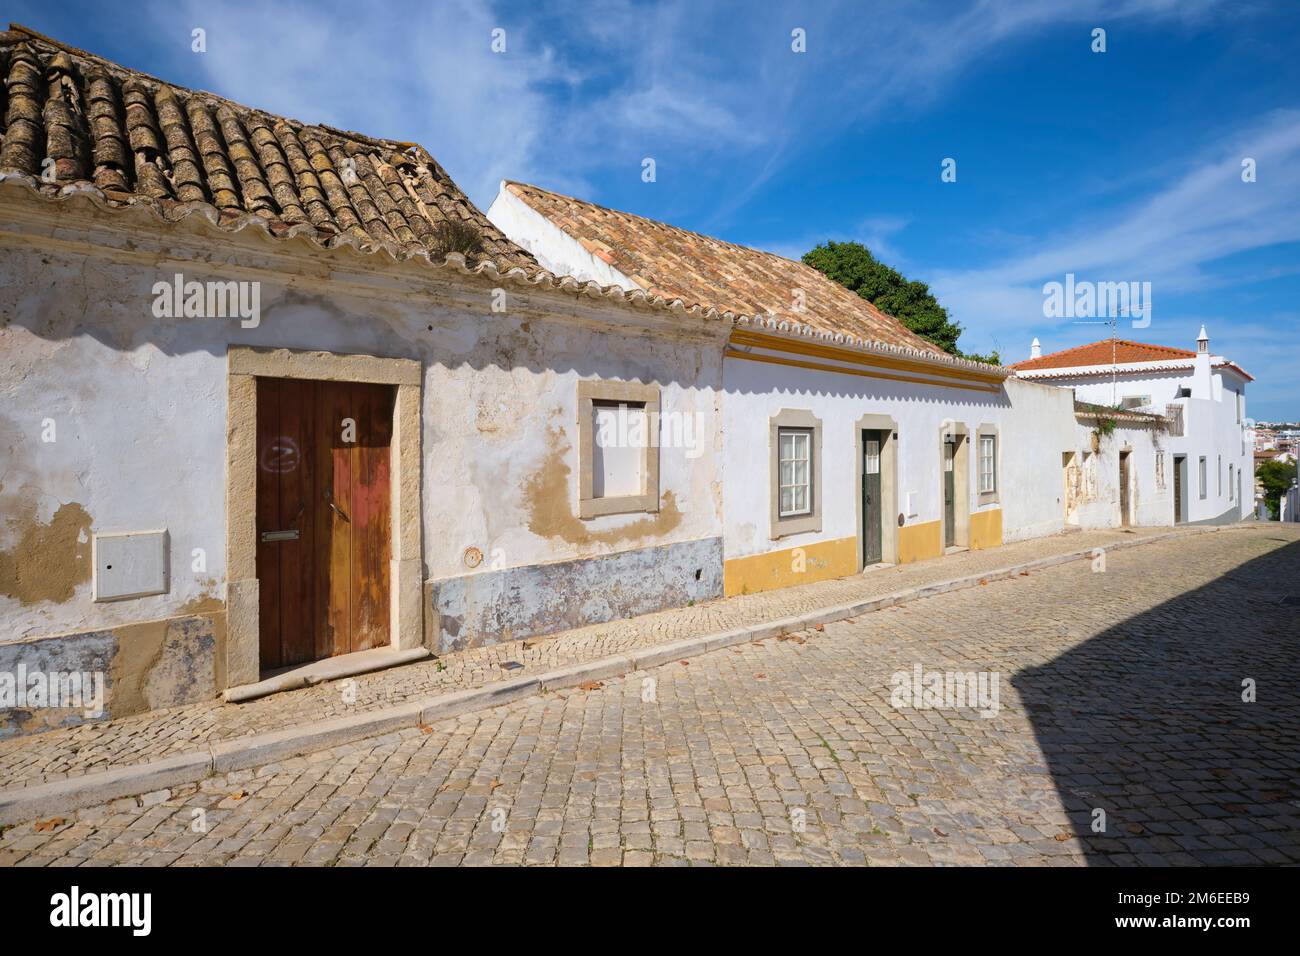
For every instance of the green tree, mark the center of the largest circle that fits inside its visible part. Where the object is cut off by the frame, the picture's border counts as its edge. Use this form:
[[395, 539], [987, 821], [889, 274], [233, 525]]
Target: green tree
[[852, 265], [1276, 477]]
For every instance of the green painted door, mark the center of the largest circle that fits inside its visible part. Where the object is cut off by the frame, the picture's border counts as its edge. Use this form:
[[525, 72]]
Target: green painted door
[[871, 515], [949, 495]]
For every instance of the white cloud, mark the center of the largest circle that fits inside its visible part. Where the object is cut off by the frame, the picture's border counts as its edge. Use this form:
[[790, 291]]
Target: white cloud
[[1171, 239]]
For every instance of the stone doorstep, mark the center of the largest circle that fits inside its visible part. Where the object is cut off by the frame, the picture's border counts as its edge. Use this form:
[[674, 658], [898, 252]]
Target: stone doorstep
[[330, 668], [239, 753]]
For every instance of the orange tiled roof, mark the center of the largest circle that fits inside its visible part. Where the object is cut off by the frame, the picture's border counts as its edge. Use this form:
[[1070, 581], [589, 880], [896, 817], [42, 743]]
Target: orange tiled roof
[[1102, 353], [80, 119], [1121, 351], [702, 271]]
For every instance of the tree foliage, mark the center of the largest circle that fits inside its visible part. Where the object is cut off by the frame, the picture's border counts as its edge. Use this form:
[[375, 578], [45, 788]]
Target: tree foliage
[[1276, 477], [852, 265]]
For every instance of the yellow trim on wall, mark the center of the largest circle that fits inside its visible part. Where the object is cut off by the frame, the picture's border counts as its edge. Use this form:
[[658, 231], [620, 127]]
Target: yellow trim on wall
[[986, 529], [789, 566], [920, 542], [866, 373], [838, 353]]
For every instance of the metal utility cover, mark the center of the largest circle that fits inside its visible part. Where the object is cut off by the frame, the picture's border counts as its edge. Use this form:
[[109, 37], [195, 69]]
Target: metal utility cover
[[130, 564]]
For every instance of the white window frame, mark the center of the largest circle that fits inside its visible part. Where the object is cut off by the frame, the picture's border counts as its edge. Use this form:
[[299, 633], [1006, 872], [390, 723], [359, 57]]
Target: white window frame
[[790, 420], [990, 494], [793, 438]]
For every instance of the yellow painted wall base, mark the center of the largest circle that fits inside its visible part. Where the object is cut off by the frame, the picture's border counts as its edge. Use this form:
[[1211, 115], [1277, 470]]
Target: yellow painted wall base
[[986, 529], [919, 542], [790, 566]]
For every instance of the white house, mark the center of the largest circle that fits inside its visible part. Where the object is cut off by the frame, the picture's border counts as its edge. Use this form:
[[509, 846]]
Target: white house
[[1209, 455], [848, 441], [273, 392]]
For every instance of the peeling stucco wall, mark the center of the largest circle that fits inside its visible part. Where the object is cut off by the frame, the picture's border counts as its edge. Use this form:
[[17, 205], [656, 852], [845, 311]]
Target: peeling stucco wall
[[481, 609], [139, 667], [138, 409]]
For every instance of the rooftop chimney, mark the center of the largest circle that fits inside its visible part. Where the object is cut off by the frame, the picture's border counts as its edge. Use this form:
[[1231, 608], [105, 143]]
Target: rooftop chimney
[[1035, 350], [1201, 377]]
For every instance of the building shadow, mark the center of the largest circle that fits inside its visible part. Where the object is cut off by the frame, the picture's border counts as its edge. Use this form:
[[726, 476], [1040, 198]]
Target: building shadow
[[1146, 722]]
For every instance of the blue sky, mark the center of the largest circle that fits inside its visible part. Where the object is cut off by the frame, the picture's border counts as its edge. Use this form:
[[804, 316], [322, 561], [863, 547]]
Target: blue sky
[[1115, 166]]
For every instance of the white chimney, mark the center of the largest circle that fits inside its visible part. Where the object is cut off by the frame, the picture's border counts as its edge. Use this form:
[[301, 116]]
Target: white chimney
[[1201, 379], [1035, 350]]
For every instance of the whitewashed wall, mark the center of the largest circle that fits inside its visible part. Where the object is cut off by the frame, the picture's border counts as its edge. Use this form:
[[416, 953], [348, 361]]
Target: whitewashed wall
[[140, 403], [1210, 428], [1035, 425]]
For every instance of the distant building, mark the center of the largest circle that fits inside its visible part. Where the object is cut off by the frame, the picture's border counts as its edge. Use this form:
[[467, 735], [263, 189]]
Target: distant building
[[1204, 394]]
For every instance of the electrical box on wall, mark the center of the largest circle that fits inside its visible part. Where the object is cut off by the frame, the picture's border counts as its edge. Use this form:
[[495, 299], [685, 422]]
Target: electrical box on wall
[[130, 564]]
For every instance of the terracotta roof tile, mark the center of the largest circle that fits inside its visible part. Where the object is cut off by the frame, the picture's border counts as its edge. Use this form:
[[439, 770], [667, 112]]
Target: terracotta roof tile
[[1121, 351], [1102, 353], [140, 140], [709, 273]]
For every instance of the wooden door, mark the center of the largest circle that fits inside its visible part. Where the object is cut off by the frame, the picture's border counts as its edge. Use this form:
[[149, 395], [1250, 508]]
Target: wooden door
[[323, 518], [1073, 487], [949, 494], [871, 514]]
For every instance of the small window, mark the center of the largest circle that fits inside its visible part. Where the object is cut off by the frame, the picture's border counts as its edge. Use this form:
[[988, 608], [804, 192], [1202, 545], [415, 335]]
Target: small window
[[618, 452], [1230, 498], [618, 448], [988, 464], [1160, 469], [1203, 476], [794, 449], [1218, 474], [795, 472]]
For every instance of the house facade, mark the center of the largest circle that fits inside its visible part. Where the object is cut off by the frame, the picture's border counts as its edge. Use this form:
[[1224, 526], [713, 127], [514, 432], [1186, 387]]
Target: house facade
[[848, 441], [1203, 394], [273, 393]]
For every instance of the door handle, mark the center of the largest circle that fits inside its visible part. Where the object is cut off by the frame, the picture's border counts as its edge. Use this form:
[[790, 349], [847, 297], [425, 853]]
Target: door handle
[[329, 500]]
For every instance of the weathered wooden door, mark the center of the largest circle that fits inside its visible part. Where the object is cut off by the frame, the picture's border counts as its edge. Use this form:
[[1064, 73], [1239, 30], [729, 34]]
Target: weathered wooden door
[[1123, 489], [323, 518], [871, 514], [1073, 487], [949, 494]]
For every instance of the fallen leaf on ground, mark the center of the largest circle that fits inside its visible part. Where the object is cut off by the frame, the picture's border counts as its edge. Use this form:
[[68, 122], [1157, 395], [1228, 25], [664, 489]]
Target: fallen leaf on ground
[[1135, 828], [590, 685], [239, 795], [1062, 837], [820, 627], [760, 677], [45, 826], [939, 832], [425, 728], [685, 663]]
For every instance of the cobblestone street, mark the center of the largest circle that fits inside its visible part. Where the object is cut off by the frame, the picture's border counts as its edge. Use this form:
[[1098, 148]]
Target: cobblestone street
[[1119, 702]]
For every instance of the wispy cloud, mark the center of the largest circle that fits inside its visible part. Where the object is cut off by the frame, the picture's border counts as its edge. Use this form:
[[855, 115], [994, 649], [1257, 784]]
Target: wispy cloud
[[1171, 238]]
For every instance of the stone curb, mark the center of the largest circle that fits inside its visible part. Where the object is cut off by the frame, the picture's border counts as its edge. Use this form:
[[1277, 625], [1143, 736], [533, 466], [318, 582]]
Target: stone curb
[[241, 753]]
